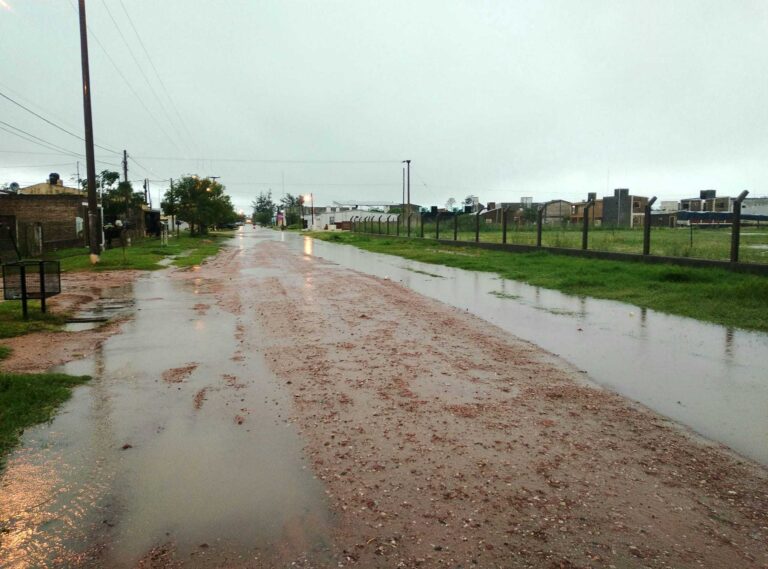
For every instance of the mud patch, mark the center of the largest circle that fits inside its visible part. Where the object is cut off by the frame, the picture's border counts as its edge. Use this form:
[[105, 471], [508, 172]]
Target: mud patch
[[179, 374]]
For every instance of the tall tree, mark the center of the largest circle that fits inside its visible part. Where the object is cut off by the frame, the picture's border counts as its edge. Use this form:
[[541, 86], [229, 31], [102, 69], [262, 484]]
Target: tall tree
[[263, 208], [292, 206], [201, 202]]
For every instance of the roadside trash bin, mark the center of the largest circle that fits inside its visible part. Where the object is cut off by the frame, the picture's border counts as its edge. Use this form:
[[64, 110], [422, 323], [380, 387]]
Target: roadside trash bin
[[33, 279]]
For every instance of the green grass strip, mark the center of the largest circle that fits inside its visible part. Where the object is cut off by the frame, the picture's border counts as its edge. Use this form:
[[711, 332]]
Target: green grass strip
[[144, 254], [28, 399], [713, 295]]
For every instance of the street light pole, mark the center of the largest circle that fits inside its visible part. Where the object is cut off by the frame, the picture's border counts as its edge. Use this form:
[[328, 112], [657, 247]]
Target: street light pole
[[312, 201], [408, 186], [94, 223]]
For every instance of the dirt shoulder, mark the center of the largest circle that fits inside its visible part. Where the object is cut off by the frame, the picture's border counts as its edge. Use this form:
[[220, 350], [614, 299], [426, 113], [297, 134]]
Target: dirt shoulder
[[40, 351], [444, 441]]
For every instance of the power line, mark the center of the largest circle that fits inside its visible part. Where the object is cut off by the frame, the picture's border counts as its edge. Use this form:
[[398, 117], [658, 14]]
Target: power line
[[132, 159], [128, 84], [29, 137], [53, 124], [157, 74], [270, 161], [141, 69]]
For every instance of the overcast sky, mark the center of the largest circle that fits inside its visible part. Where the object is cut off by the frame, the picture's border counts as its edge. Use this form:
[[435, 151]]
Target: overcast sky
[[500, 99]]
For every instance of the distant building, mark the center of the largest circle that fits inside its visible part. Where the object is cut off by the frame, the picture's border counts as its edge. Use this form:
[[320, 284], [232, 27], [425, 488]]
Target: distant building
[[623, 209], [595, 213], [708, 201], [754, 206], [557, 211]]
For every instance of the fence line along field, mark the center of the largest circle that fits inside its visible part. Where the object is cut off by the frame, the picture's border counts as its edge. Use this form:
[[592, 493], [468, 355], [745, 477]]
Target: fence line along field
[[694, 241]]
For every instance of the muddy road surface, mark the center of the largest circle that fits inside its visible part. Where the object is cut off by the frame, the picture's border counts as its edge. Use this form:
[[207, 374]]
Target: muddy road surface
[[271, 409]]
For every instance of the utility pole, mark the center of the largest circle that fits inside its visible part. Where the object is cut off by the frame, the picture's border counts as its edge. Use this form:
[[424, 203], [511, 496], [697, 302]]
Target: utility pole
[[408, 186], [125, 165], [94, 223]]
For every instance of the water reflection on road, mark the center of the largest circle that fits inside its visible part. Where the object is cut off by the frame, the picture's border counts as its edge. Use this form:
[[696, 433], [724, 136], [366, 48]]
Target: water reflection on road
[[711, 378], [201, 465]]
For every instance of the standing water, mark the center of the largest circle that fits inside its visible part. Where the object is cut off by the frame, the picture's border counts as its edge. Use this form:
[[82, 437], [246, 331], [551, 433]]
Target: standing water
[[711, 378]]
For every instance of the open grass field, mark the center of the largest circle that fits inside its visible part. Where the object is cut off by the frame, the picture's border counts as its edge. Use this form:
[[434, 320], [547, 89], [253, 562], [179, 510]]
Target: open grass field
[[703, 243], [713, 295]]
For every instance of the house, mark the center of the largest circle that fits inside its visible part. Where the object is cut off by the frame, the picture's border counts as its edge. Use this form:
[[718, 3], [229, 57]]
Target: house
[[754, 206], [326, 217], [708, 201], [557, 211], [44, 222], [54, 186], [623, 209], [595, 212]]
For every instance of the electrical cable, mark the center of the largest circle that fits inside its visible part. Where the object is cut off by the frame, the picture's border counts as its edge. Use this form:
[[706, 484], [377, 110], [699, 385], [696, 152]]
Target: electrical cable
[[141, 70], [53, 124], [157, 74], [42, 142]]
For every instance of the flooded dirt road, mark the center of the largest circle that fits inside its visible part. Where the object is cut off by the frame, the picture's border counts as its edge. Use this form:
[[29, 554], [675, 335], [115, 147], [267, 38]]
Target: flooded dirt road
[[709, 377], [274, 409]]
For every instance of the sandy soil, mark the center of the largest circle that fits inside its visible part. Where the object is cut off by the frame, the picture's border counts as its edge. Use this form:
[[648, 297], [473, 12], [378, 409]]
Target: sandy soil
[[445, 442], [38, 352]]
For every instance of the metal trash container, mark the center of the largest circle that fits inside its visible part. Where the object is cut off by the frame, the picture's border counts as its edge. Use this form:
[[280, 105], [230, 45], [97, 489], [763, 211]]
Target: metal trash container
[[33, 279]]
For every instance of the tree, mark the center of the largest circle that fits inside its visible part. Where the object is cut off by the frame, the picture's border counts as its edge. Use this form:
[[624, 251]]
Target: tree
[[121, 202], [201, 202], [292, 205], [450, 204], [106, 180], [263, 208]]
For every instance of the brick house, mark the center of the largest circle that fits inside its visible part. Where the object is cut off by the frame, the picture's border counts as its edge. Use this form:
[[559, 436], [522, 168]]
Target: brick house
[[41, 223]]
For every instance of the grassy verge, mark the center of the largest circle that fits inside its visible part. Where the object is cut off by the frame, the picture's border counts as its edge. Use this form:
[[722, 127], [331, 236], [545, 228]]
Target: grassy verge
[[12, 324], [145, 254], [712, 295], [28, 399]]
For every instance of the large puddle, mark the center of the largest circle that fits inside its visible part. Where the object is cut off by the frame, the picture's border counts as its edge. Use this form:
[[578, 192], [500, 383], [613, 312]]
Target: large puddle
[[711, 378], [205, 468]]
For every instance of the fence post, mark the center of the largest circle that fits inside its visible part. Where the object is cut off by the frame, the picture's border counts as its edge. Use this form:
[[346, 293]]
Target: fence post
[[409, 224], [455, 226], [647, 227], [539, 215], [397, 226], [387, 224], [380, 224], [437, 226], [504, 225], [736, 227], [585, 229], [477, 227], [421, 221]]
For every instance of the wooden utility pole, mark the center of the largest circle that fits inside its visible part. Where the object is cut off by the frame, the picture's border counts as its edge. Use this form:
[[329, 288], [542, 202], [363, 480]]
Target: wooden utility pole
[[125, 165], [94, 223]]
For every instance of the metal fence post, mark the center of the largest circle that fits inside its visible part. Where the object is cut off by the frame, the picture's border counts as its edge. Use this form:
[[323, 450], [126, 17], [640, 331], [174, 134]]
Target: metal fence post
[[539, 215], [437, 226], [585, 228], [504, 225], [647, 227], [409, 224], [477, 227], [387, 224], [23, 275], [736, 227], [380, 224], [397, 226], [421, 222], [455, 226]]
